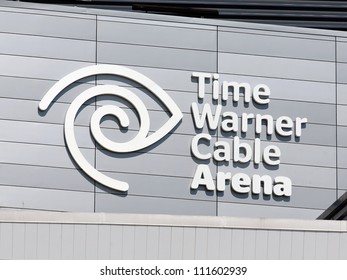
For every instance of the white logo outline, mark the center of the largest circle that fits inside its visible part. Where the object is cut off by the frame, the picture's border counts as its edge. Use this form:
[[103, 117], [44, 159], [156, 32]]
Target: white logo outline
[[140, 141]]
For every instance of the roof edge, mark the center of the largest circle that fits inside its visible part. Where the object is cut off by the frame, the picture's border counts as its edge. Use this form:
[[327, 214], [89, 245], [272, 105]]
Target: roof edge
[[44, 217], [169, 18]]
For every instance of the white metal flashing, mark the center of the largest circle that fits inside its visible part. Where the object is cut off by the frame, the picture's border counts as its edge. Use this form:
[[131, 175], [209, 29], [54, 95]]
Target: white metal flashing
[[171, 221]]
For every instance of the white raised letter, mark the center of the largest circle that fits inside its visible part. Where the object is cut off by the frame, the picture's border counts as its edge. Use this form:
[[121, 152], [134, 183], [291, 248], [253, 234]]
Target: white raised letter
[[215, 87], [235, 90], [203, 177], [271, 155], [257, 182], [269, 123], [222, 153], [256, 152], [230, 122], [202, 77], [241, 183], [244, 121], [222, 180], [283, 186], [284, 123], [261, 94], [195, 143], [237, 151], [298, 125], [212, 120]]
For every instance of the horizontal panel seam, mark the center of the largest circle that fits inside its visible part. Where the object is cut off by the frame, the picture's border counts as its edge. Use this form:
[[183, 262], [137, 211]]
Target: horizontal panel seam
[[280, 78], [171, 133], [282, 163], [91, 61], [122, 64], [170, 90], [31, 11], [47, 36], [179, 197], [48, 188], [294, 186], [125, 172], [160, 23], [280, 35], [279, 57], [265, 28], [182, 70], [158, 46], [231, 107]]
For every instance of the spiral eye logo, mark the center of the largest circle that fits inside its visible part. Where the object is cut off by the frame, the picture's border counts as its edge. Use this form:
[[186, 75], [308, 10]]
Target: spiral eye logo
[[140, 141]]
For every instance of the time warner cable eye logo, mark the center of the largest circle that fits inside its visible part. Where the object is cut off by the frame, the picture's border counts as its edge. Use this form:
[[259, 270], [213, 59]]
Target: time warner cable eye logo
[[140, 141]]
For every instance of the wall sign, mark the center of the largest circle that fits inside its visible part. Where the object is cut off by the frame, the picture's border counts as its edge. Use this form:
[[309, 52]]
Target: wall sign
[[140, 141], [239, 151], [235, 151]]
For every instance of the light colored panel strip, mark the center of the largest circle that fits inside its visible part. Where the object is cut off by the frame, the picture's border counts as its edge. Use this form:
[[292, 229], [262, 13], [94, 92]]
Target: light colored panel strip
[[171, 221]]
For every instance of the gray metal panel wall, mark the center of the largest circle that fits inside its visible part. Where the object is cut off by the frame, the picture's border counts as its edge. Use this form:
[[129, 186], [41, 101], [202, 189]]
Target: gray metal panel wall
[[36, 51], [305, 72], [287, 64], [341, 45]]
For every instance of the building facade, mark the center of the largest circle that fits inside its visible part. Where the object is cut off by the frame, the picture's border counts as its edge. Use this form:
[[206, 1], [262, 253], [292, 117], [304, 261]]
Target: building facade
[[128, 113]]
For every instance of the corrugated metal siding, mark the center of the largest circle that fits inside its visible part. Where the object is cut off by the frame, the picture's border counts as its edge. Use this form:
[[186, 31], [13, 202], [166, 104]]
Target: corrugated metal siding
[[78, 238]]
